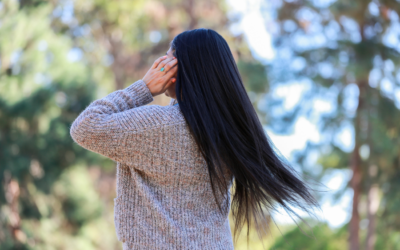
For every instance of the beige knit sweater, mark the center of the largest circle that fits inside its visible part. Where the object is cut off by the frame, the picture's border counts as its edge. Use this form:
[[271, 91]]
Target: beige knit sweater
[[164, 196]]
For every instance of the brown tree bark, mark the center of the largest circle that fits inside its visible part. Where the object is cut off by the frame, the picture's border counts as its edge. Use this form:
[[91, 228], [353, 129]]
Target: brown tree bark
[[372, 207], [355, 185], [12, 193], [372, 195], [355, 182]]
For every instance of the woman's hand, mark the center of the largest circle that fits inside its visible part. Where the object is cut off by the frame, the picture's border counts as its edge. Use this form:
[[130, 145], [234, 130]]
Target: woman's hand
[[158, 81]]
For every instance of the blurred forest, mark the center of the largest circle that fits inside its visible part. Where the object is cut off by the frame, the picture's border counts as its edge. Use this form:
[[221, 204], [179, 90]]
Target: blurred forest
[[57, 56]]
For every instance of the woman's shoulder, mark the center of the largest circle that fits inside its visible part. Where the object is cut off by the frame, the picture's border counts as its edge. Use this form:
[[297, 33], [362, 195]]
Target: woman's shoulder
[[152, 116], [169, 111]]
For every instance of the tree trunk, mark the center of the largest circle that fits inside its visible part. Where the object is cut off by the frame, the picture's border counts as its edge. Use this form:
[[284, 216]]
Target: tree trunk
[[355, 185], [12, 192], [372, 207], [355, 182], [372, 196]]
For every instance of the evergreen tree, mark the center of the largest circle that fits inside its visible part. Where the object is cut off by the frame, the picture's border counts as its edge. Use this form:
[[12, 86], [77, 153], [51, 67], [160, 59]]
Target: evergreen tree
[[347, 54], [55, 58], [44, 188]]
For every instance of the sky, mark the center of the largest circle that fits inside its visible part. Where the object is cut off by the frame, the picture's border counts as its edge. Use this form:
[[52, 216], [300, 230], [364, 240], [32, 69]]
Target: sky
[[253, 26]]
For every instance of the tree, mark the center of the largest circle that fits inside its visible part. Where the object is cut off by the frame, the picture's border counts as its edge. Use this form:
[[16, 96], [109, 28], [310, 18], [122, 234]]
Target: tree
[[39, 161], [322, 237], [344, 51], [128, 36], [62, 56]]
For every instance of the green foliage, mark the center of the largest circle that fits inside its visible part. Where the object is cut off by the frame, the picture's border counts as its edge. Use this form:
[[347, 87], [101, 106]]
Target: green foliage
[[321, 237], [41, 93], [51, 199], [79, 207], [54, 195], [341, 48], [254, 76]]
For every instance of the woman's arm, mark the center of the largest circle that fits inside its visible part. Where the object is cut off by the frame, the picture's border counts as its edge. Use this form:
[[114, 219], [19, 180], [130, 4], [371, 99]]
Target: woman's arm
[[100, 126], [106, 123]]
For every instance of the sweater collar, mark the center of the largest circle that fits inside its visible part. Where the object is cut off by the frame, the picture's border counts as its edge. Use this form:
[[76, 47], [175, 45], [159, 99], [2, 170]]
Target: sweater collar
[[173, 101]]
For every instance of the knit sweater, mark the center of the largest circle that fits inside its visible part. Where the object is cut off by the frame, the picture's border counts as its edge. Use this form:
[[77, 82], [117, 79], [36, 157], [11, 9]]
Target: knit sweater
[[164, 197]]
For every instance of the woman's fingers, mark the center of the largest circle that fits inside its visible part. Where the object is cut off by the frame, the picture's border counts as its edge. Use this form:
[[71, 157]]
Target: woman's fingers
[[171, 81], [159, 81], [172, 71], [165, 64], [157, 62], [170, 64]]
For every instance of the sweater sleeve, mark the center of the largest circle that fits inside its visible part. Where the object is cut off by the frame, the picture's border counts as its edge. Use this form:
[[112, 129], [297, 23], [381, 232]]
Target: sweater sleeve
[[104, 124]]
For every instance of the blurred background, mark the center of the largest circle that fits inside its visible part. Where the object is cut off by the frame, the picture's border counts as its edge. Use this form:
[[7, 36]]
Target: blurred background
[[323, 75]]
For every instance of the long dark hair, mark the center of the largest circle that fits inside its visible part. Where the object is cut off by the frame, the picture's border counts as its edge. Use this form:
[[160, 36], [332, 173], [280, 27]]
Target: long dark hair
[[227, 130]]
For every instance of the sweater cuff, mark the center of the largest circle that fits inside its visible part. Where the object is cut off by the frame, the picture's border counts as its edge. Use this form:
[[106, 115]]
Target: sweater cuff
[[139, 92]]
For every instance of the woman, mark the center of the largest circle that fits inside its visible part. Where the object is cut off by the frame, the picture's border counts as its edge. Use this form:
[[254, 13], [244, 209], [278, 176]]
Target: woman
[[176, 164]]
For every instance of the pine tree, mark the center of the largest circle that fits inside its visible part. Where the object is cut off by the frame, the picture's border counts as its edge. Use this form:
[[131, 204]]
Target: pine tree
[[55, 58], [39, 94], [346, 53]]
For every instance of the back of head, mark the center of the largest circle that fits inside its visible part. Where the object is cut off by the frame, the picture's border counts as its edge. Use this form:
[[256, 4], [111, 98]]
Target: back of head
[[225, 126]]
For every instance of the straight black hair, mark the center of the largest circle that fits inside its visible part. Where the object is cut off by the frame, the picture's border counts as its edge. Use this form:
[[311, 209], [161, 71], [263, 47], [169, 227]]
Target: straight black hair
[[229, 134]]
